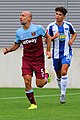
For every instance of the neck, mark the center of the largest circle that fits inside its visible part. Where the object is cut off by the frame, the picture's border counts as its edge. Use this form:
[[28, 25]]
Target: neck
[[59, 23], [26, 26]]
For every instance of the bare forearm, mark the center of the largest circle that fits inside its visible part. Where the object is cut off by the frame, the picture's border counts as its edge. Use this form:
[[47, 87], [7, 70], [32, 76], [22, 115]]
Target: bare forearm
[[48, 42], [55, 36], [48, 46], [12, 48], [73, 37]]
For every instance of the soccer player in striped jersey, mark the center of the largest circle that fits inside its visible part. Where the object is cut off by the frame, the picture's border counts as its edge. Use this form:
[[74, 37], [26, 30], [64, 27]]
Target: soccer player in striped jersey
[[62, 35], [30, 36]]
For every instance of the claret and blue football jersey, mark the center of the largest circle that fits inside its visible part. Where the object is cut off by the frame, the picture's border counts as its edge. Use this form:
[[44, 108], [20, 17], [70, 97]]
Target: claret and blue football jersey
[[60, 44], [33, 32], [31, 40]]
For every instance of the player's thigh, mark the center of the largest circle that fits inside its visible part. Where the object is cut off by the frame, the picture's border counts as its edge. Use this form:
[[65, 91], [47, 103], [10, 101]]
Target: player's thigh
[[58, 73], [27, 81], [66, 61], [39, 70], [64, 69], [26, 68], [57, 64], [27, 78]]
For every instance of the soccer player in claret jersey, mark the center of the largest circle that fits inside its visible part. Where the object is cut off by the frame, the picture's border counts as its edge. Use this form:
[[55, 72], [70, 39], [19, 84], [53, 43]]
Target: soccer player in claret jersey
[[62, 35], [30, 35]]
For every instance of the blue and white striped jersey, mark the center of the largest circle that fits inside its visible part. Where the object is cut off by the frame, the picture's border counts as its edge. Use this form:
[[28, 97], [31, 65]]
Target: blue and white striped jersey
[[60, 44]]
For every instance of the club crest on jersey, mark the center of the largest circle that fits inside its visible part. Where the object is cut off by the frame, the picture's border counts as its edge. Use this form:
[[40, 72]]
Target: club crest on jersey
[[33, 33]]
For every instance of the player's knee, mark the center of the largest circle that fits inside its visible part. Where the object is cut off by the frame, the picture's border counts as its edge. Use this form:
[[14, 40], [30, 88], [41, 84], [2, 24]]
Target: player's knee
[[40, 85], [63, 73], [27, 79], [40, 82], [27, 82]]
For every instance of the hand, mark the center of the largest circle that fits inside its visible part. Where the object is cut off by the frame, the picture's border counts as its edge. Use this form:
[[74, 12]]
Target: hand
[[48, 54], [70, 42], [5, 51]]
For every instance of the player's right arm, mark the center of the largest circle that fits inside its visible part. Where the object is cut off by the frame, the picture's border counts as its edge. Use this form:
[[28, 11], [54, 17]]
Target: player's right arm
[[50, 32], [55, 36], [14, 47]]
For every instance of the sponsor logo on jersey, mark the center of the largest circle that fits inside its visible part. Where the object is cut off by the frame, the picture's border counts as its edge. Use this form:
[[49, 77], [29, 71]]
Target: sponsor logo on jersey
[[29, 41], [62, 37]]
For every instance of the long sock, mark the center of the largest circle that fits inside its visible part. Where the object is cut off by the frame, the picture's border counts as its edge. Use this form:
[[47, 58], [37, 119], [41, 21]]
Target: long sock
[[30, 96], [64, 80], [59, 82]]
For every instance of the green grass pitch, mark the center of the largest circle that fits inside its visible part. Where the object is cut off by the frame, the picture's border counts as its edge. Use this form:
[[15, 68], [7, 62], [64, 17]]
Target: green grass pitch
[[14, 104]]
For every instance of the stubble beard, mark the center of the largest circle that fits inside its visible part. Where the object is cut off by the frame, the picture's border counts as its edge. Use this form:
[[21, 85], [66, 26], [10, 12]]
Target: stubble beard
[[23, 23]]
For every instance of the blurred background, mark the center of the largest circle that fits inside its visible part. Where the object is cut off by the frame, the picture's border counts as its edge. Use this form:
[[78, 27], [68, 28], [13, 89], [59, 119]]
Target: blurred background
[[43, 13]]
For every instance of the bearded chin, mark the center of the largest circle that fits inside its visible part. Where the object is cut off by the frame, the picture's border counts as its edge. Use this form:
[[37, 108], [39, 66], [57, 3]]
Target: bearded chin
[[23, 23]]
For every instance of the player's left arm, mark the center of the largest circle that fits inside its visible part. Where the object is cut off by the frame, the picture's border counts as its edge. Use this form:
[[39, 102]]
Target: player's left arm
[[48, 42], [47, 39], [73, 35]]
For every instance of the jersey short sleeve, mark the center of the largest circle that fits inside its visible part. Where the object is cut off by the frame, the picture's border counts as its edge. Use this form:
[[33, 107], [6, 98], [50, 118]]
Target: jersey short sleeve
[[17, 40], [41, 31], [72, 29], [49, 28]]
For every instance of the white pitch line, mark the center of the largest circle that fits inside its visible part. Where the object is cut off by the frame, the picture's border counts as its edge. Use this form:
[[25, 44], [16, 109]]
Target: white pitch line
[[9, 98], [57, 95]]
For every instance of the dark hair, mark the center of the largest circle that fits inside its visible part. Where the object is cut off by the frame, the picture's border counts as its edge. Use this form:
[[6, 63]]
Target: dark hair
[[61, 9]]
